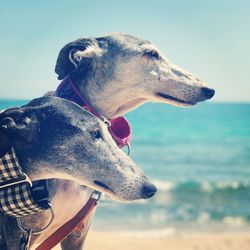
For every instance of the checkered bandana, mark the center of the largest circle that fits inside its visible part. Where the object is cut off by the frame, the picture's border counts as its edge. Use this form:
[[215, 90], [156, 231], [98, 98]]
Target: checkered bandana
[[15, 188]]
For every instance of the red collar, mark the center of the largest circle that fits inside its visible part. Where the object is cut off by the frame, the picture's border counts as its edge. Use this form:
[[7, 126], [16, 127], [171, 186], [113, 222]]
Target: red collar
[[119, 127]]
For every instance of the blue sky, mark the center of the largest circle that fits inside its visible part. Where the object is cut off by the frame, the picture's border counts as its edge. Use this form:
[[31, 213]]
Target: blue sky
[[209, 38]]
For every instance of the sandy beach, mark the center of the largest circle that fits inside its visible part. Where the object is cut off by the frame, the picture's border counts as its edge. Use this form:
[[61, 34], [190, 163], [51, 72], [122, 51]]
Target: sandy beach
[[183, 241]]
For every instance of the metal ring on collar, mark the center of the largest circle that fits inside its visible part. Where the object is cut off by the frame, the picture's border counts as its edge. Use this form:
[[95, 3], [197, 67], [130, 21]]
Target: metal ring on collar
[[26, 230], [128, 147]]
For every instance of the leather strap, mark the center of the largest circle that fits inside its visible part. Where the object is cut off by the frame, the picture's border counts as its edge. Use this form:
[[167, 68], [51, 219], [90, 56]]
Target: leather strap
[[62, 232]]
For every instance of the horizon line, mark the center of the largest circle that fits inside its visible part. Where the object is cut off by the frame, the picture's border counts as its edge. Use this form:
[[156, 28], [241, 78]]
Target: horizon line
[[210, 102]]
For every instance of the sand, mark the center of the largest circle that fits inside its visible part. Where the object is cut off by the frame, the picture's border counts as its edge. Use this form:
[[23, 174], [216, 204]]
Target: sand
[[180, 241]]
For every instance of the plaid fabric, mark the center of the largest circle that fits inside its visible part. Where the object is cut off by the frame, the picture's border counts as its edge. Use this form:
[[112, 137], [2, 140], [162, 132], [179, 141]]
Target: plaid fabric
[[15, 200], [9, 167]]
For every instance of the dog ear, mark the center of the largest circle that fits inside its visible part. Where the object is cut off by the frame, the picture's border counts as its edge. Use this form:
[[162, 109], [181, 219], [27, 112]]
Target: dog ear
[[15, 125], [72, 53], [5, 139], [5, 143]]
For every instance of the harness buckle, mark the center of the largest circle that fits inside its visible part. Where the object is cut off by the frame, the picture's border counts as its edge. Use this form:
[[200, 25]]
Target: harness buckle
[[96, 195], [19, 180]]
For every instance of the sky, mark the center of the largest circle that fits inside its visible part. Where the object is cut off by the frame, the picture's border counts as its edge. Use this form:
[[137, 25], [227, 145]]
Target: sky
[[208, 38]]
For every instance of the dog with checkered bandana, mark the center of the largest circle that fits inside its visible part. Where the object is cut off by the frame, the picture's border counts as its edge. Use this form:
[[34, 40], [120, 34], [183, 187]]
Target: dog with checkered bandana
[[55, 138]]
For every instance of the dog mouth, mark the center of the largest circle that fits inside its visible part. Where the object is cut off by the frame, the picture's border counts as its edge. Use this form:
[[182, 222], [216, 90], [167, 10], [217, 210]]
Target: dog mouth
[[103, 186], [176, 100]]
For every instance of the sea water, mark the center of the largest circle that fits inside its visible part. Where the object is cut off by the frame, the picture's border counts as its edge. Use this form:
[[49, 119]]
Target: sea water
[[199, 158]]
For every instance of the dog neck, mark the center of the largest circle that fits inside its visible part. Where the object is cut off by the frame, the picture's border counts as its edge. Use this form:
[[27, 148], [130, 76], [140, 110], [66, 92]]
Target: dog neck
[[107, 97], [41, 170], [114, 102]]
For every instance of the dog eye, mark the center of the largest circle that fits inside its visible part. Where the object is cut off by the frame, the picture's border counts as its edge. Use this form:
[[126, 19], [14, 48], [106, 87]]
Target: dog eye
[[96, 134], [152, 54]]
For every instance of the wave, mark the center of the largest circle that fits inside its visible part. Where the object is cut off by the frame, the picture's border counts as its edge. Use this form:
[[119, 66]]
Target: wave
[[207, 205], [202, 186], [164, 185], [236, 221]]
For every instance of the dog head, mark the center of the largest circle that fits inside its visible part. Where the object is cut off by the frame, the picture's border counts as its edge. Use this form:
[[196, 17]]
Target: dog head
[[126, 72], [55, 138]]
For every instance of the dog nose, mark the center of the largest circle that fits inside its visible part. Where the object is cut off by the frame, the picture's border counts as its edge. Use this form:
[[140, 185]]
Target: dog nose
[[148, 191], [207, 92]]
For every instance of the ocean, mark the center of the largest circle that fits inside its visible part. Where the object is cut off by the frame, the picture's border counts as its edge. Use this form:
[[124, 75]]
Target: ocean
[[199, 158]]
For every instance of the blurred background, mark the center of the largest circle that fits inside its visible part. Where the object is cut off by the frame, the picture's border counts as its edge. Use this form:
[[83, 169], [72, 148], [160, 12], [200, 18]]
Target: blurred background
[[198, 157]]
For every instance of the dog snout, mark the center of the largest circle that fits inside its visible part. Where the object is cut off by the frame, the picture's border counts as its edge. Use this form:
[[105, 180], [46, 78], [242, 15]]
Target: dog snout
[[208, 93], [148, 191]]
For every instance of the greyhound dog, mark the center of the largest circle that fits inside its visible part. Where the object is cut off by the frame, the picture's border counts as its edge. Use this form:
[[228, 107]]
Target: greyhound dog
[[55, 138], [119, 72]]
